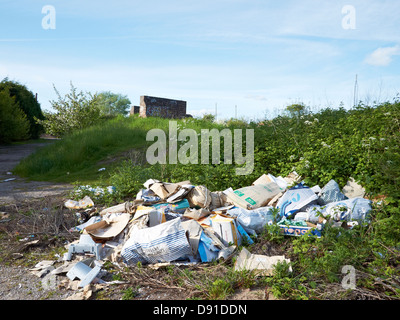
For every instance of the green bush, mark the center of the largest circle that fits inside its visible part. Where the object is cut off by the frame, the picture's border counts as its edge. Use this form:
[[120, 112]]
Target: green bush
[[26, 100], [14, 124], [75, 111]]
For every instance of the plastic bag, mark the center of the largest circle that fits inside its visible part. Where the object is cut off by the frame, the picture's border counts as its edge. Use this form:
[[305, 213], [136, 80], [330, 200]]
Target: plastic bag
[[165, 242], [311, 214], [86, 202], [295, 199], [331, 193], [352, 209], [253, 221]]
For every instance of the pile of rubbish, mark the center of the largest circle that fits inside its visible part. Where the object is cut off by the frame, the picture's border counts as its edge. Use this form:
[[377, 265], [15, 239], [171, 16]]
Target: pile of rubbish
[[187, 224]]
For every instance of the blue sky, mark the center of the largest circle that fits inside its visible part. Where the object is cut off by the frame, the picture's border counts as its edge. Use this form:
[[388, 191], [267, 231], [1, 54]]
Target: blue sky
[[257, 55]]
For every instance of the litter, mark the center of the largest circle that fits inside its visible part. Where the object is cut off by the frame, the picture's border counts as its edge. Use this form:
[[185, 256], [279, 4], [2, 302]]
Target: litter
[[183, 224], [218, 200], [162, 243], [164, 189], [294, 199], [178, 207], [253, 221], [85, 245], [194, 231], [42, 268], [111, 226], [81, 204], [353, 190], [96, 192], [263, 265], [266, 179], [196, 214], [253, 197], [148, 196], [199, 197], [226, 229], [299, 228], [83, 272], [4, 217], [351, 209], [330, 193]]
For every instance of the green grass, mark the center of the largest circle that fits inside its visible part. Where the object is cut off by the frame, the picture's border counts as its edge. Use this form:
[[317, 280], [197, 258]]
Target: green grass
[[77, 156]]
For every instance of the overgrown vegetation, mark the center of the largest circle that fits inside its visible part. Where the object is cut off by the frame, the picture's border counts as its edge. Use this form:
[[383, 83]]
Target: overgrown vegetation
[[329, 144]]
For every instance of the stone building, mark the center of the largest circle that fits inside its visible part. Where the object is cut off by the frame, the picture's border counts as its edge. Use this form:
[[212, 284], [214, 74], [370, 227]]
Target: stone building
[[160, 107]]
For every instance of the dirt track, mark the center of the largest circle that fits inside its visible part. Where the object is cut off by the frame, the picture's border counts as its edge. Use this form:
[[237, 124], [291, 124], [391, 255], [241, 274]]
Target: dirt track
[[18, 189]]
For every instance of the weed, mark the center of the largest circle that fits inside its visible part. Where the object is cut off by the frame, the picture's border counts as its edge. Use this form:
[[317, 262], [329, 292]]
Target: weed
[[130, 294]]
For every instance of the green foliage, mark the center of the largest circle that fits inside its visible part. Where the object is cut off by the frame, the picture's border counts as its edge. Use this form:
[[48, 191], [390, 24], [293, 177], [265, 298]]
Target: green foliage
[[113, 104], [208, 117], [335, 144], [27, 102], [14, 124], [130, 294], [75, 111], [296, 110], [220, 289]]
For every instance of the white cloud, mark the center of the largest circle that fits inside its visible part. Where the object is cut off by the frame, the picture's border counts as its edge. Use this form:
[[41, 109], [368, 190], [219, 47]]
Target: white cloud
[[256, 97], [382, 56]]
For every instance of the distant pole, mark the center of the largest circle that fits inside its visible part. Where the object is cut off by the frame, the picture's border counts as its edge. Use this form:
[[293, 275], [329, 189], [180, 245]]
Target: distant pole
[[215, 111], [355, 92], [235, 111]]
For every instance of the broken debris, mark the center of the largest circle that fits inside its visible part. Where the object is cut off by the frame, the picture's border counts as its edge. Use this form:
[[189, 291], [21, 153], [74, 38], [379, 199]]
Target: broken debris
[[179, 223]]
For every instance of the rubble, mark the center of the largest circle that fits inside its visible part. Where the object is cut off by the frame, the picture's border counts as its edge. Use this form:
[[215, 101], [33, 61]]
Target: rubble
[[180, 223]]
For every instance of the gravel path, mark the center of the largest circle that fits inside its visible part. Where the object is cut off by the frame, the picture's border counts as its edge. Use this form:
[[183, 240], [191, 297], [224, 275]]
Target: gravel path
[[14, 188], [17, 282]]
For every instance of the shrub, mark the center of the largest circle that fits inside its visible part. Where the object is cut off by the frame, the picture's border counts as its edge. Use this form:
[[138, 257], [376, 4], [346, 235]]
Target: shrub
[[26, 100], [14, 124], [77, 110]]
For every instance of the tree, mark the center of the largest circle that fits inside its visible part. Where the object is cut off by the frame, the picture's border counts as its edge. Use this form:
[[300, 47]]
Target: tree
[[14, 124], [209, 117], [26, 100], [113, 103], [77, 110], [296, 110]]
